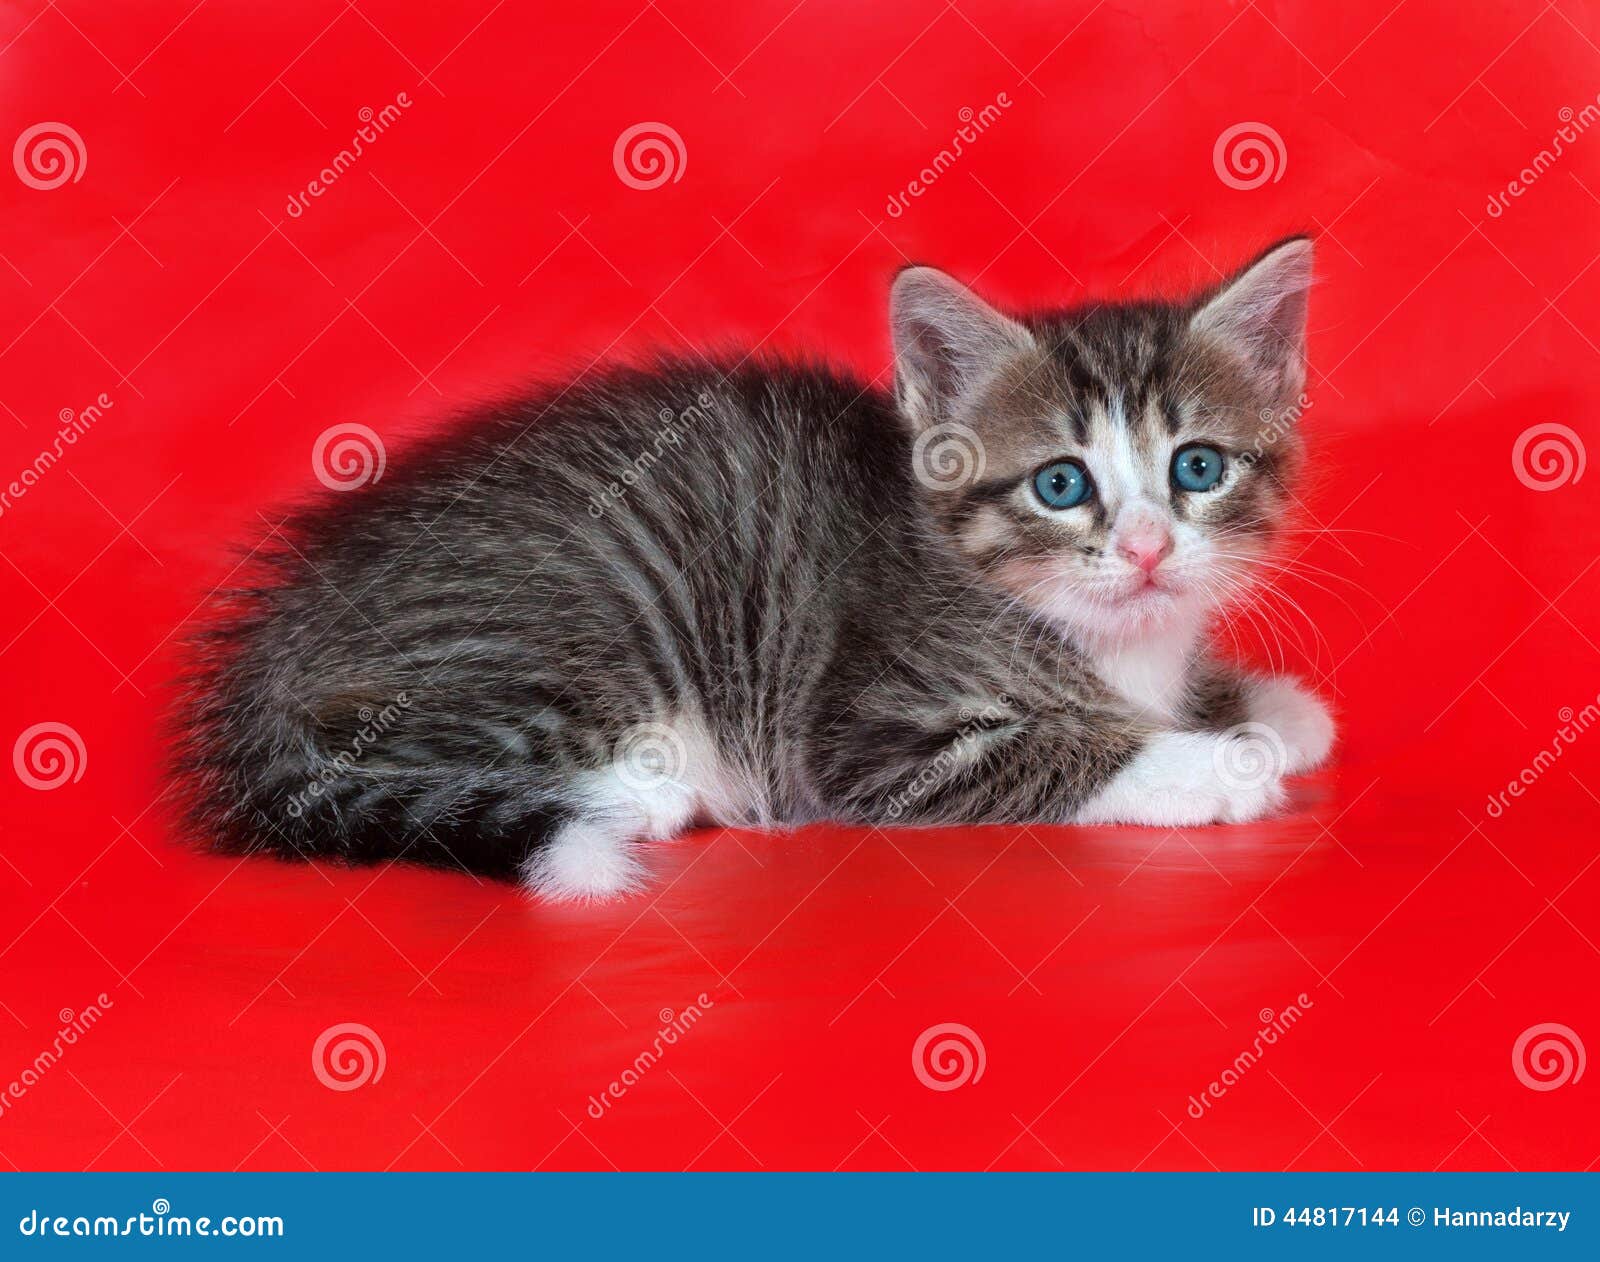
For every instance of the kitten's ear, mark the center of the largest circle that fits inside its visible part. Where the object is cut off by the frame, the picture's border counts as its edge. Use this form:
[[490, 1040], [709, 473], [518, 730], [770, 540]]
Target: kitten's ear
[[946, 339], [1261, 315]]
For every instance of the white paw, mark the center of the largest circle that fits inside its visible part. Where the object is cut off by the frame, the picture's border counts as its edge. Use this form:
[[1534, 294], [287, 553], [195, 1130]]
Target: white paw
[[1300, 719], [583, 863], [1182, 779]]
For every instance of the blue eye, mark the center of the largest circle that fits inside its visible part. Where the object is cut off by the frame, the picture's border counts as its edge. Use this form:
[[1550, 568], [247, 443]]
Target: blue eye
[[1064, 484], [1197, 467]]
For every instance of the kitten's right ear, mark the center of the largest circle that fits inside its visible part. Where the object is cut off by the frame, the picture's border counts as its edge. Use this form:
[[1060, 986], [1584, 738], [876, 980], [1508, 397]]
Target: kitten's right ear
[[1260, 315], [946, 340]]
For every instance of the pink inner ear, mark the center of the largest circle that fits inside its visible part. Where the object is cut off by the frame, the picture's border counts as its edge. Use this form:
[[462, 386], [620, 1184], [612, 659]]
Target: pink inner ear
[[1261, 314], [946, 336]]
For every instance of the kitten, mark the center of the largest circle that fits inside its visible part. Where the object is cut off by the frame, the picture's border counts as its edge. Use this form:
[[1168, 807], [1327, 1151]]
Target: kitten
[[770, 594]]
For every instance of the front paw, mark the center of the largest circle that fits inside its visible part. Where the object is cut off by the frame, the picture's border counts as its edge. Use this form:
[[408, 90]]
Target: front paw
[[1181, 779], [1299, 718]]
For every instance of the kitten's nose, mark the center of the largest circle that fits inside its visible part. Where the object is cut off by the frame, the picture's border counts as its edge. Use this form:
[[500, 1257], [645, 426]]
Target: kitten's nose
[[1146, 547]]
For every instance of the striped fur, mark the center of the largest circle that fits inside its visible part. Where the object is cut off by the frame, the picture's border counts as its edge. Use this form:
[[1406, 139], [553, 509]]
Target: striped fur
[[688, 594]]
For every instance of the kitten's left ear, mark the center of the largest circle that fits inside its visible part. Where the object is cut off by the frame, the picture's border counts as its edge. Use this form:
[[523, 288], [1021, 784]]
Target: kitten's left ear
[[946, 340], [1261, 315]]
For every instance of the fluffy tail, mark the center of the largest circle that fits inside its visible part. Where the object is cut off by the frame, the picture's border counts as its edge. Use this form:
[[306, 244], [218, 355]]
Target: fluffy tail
[[279, 760]]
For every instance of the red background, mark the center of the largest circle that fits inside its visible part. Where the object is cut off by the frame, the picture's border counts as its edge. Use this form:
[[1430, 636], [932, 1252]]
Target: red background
[[485, 239]]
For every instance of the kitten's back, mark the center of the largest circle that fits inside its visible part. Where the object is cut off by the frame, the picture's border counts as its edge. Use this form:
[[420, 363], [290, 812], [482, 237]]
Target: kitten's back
[[429, 665]]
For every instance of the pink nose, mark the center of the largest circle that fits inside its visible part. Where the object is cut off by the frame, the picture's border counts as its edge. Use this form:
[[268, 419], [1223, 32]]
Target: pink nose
[[1145, 549]]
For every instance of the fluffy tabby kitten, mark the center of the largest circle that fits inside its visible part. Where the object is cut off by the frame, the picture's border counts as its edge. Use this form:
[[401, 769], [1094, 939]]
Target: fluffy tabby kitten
[[762, 595]]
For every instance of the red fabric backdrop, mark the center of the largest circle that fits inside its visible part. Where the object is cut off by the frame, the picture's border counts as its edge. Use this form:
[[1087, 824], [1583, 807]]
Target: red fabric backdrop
[[484, 237]]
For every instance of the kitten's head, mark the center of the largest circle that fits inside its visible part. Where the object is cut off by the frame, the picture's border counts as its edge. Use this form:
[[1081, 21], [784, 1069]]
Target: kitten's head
[[1121, 468]]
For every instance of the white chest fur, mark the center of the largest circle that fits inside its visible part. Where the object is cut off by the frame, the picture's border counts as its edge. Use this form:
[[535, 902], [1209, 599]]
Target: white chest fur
[[1150, 672]]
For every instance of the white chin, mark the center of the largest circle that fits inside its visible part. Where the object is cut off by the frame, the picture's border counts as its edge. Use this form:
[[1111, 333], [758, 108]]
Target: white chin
[[1127, 615], [1148, 608]]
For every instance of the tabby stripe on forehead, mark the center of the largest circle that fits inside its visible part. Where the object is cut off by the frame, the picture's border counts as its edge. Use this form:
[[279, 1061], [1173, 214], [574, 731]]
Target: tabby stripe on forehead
[[1084, 377], [989, 491], [1173, 416]]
